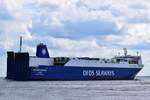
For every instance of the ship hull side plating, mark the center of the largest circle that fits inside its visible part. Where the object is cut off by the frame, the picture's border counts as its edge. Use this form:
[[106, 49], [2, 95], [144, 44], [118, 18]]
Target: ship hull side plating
[[82, 73]]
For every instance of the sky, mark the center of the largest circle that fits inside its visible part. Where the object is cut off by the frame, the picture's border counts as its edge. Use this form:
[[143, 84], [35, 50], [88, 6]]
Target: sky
[[93, 28]]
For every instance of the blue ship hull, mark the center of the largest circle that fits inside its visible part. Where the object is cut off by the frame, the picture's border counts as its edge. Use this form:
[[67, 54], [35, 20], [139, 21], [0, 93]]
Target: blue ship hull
[[18, 69], [82, 73]]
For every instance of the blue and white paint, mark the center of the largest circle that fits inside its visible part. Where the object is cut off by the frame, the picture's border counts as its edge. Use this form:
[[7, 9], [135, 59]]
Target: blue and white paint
[[83, 73], [119, 67], [21, 66], [97, 28]]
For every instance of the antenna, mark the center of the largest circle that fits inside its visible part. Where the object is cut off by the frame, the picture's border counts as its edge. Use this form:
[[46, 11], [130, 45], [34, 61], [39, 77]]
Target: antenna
[[20, 43], [137, 53], [125, 51], [118, 53]]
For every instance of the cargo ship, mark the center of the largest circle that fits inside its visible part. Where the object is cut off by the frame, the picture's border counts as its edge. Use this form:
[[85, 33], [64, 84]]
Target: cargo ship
[[21, 66]]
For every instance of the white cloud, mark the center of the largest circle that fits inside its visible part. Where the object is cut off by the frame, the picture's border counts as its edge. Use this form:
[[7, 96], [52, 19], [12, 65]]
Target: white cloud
[[69, 47], [18, 25], [3, 66], [132, 19], [133, 34], [145, 57]]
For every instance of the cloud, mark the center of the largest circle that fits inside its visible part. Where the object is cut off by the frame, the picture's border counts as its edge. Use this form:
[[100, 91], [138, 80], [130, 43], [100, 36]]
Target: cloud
[[97, 28], [72, 47], [4, 14], [2, 66], [16, 24], [133, 34]]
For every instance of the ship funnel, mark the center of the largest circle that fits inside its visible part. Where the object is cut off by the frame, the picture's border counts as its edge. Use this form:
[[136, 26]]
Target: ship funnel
[[41, 51], [125, 51]]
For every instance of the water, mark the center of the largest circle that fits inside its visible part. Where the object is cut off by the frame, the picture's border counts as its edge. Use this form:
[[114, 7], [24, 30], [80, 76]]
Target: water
[[76, 90]]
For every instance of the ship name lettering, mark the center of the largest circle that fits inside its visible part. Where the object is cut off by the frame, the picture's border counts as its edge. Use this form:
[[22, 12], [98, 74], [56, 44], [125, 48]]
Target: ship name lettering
[[88, 73], [98, 73]]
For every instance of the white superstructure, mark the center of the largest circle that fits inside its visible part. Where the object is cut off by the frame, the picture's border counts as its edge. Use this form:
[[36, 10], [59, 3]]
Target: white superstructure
[[35, 61], [125, 61], [121, 62]]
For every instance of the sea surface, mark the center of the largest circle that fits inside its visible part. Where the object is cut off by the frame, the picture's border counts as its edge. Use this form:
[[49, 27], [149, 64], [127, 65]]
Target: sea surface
[[138, 89]]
